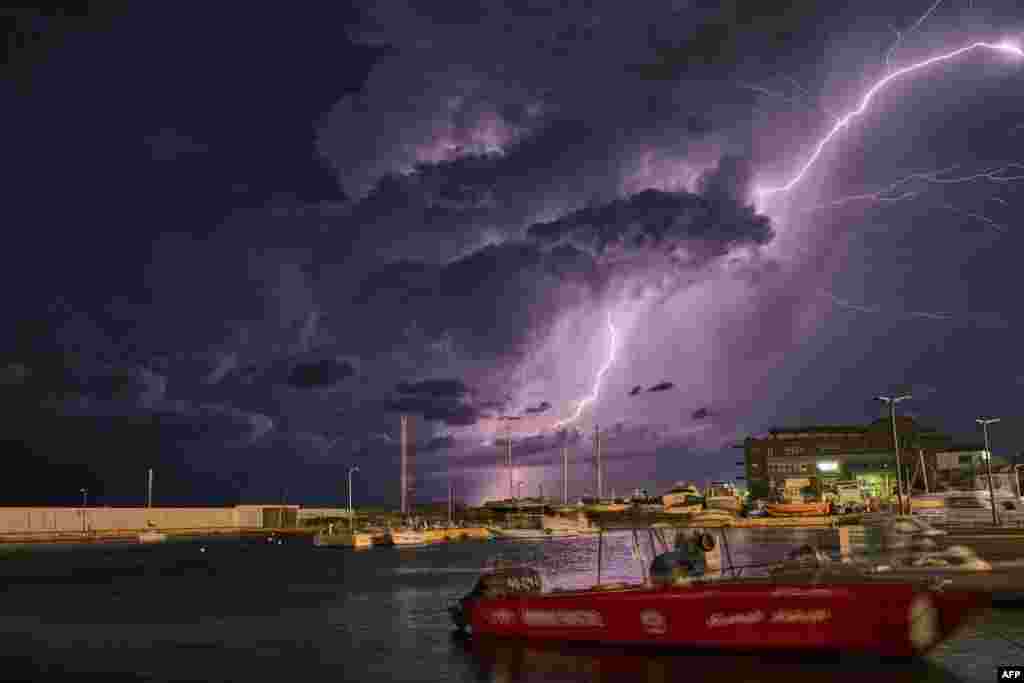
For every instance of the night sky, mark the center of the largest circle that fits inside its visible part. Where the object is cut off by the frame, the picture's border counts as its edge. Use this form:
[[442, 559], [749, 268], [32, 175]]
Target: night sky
[[241, 242]]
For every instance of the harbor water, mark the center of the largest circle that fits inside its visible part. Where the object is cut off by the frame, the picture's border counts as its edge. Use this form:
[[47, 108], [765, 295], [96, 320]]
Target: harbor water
[[253, 610]]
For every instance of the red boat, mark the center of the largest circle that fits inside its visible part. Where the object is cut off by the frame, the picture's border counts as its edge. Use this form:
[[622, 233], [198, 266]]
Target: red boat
[[798, 608]]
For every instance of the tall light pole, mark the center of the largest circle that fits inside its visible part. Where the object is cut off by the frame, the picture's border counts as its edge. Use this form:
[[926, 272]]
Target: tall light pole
[[565, 475], [508, 450], [85, 497], [892, 401], [985, 422], [351, 517], [149, 489]]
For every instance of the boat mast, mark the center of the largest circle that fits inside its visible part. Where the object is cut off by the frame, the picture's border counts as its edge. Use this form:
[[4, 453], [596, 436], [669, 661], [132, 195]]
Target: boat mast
[[404, 465], [565, 475], [508, 459]]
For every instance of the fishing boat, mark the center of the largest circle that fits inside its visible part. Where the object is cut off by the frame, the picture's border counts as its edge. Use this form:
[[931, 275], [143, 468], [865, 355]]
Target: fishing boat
[[722, 496], [379, 536], [796, 509], [712, 518], [409, 537], [345, 538], [682, 494], [804, 604], [578, 523], [152, 536]]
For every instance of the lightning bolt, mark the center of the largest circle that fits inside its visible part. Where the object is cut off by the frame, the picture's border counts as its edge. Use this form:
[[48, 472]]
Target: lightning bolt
[[613, 349], [896, 192], [847, 119]]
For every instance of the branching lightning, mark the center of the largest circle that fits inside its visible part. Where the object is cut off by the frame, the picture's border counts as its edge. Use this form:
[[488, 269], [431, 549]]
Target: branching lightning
[[904, 190], [892, 193], [846, 120], [613, 349]]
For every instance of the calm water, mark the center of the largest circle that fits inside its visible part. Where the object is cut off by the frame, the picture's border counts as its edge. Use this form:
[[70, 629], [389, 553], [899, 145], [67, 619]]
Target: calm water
[[251, 611]]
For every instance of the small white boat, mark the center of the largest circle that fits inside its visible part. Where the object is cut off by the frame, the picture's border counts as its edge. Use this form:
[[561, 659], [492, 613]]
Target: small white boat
[[410, 537], [152, 536], [357, 539], [534, 534]]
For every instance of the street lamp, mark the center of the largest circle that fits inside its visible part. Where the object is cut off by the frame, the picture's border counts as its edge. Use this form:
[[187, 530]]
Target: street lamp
[[988, 464], [508, 448], [351, 519], [892, 401], [85, 497]]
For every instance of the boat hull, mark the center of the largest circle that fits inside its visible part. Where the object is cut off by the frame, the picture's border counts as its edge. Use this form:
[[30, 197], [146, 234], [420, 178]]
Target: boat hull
[[409, 538], [346, 539], [904, 619], [534, 534], [797, 509]]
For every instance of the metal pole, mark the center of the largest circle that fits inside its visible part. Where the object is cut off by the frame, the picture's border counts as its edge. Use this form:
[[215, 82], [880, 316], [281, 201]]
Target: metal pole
[[924, 471], [597, 462], [892, 401], [351, 510], [988, 461], [404, 464], [508, 440], [565, 475], [85, 497], [149, 489]]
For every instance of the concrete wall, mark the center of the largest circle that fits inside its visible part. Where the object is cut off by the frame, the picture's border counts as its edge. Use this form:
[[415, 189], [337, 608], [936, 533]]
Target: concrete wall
[[38, 519], [315, 513]]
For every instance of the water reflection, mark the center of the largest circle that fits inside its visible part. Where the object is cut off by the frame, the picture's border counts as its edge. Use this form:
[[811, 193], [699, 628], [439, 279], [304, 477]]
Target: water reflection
[[503, 661]]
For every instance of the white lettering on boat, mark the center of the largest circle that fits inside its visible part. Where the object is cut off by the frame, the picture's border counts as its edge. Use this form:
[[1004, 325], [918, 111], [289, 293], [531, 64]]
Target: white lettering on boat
[[653, 621], [540, 617], [801, 616], [501, 616], [719, 619]]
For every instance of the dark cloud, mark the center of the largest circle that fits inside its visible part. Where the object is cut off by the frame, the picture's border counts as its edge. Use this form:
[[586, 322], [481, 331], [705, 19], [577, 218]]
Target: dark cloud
[[664, 222], [438, 443], [434, 388], [319, 374], [635, 390], [541, 407], [452, 413], [701, 413], [662, 386]]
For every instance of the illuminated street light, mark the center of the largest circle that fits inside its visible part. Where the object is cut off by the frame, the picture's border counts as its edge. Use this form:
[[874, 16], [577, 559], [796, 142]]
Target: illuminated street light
[[988, 464], [892, 401]]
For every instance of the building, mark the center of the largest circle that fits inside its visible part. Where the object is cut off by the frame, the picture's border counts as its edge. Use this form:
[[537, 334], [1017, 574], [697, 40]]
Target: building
[[812, 456]]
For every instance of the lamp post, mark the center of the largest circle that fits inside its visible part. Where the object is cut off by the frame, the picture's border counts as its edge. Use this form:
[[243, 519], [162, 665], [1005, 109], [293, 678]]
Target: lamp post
[[85, 497], [892, 401], [351, 518], [988, 464], [508, 449]]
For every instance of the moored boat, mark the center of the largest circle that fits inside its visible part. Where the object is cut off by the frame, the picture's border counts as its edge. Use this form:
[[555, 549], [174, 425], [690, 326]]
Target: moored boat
[[722, 496], [346, 538], [409, 537], [801, 606], [152, 536], [796, 509]]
